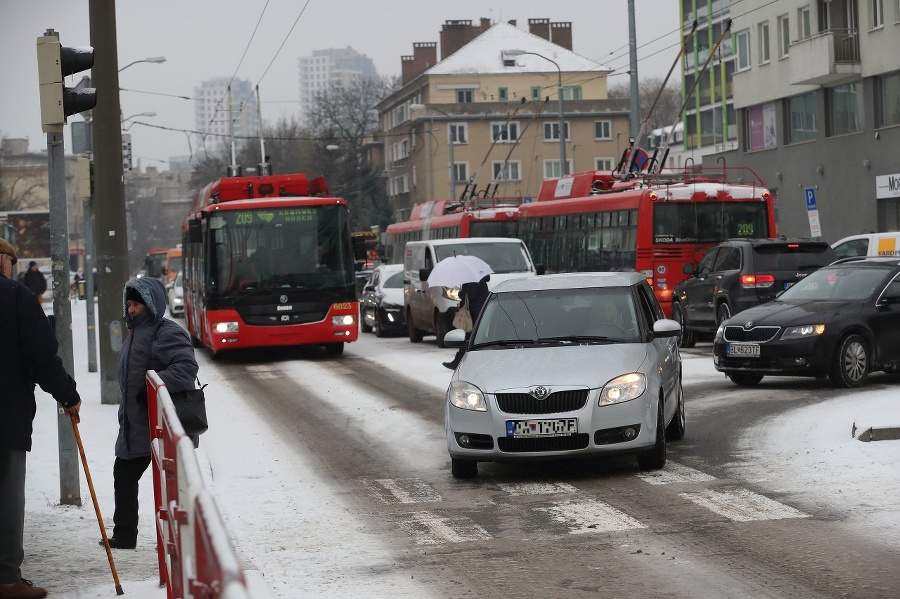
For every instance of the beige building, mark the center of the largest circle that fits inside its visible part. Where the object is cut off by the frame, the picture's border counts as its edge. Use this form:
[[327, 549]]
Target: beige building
[[495, 95]]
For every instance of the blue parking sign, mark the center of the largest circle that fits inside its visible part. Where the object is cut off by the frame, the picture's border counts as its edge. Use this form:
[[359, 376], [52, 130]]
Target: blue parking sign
[[810, 198]]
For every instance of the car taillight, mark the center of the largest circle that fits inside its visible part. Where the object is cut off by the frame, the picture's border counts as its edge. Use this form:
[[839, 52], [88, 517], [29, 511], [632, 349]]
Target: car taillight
[[753, 281]]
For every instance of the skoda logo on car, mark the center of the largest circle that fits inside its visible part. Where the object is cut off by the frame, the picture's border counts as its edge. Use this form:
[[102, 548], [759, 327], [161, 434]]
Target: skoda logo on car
[[540, 392], [283, 299]]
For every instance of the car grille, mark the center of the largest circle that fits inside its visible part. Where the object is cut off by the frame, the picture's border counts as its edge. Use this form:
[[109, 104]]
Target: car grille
[[754, 335], [525, 403], [570, 443]]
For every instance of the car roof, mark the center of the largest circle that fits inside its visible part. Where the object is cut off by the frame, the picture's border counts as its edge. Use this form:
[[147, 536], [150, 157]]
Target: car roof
[[867, 261], [470, 240], [571, 280], [389, 267], [755, 241]]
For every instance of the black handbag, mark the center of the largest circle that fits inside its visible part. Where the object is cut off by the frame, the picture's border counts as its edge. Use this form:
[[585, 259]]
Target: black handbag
[[190, 405]]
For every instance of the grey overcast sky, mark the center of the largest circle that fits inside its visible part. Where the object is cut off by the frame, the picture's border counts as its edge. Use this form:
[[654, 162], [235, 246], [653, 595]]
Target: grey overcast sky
[[207, 38]]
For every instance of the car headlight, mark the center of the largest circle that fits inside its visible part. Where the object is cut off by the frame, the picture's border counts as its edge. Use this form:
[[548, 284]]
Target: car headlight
[[177, 300], [451, 293], [623, 388], [344, 320], [466, 396], [806, 330], [720, 333], [225, 327]]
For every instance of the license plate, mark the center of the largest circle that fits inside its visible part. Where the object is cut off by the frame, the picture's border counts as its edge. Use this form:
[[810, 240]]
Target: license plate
[[746, 351], [788, 285], [561, 427]]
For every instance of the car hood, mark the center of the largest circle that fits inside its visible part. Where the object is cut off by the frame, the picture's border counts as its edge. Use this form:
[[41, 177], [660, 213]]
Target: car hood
[[788, 313], [496, 369], [392, 295]]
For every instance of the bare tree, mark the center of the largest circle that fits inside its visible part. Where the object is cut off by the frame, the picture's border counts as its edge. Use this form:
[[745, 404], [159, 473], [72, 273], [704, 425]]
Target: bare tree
[[18, 193], [665, 114]]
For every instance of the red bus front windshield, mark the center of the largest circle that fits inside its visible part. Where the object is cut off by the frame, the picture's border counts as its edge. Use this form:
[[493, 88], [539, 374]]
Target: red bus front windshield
[[493, 228], [708, 222]]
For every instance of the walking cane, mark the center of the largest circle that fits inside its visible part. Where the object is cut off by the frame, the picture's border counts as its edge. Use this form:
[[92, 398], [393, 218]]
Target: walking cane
[[87, 473]]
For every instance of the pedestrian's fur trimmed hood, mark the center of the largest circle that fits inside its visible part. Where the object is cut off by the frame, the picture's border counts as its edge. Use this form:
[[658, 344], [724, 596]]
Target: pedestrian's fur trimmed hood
[[152, 291]]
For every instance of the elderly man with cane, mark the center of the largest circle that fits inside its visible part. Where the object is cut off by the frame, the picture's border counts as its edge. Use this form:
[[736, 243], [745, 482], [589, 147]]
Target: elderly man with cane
[[27, 357]]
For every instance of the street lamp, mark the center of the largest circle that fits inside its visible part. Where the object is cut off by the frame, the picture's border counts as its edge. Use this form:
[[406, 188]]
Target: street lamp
[[156, 59], [451, 143], [563, 164], [134, 116]]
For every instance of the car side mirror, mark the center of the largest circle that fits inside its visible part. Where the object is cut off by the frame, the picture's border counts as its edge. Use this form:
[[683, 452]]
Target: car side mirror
[[688, 269], [540, 268], [424, 273], [369, 288]]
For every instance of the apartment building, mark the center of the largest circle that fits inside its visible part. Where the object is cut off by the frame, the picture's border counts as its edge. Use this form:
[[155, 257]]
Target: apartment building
[[213, 116], [817, 96], [489, 110], [334, 67]]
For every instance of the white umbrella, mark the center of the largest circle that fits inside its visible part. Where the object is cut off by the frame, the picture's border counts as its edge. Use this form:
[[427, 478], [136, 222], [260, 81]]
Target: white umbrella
[[456, 270]]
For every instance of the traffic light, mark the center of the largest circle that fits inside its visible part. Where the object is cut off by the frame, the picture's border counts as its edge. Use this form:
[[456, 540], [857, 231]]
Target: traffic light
[[55, 62]]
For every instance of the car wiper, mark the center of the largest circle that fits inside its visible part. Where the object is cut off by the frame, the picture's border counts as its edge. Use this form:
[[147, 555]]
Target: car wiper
[[506, 343], [578, 339]]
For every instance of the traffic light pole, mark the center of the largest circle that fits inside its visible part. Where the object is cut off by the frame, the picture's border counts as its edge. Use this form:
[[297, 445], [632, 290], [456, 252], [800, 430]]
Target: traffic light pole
[[108, 204]]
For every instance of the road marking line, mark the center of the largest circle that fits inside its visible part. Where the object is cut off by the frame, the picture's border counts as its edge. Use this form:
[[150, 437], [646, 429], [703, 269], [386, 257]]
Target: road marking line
[[431, 529], [403, 490], [588, 515], [674, 473], [517, 489], [741, 505]]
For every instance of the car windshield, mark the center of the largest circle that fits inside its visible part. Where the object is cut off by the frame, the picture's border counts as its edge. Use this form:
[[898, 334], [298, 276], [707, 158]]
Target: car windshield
[[558, 315], [502, 257], [837, 284], [395, 281]]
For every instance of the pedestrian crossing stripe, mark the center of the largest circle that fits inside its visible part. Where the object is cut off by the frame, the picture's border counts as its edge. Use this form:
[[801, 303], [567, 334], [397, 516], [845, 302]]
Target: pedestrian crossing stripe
[[674, 473], [394, 491], [588, 516], [428, 528], [519, 489], [741, 505]]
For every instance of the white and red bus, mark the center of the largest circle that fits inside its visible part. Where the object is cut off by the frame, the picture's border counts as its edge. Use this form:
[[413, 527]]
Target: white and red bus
[[269, 261], [446, 219], [653, 224]]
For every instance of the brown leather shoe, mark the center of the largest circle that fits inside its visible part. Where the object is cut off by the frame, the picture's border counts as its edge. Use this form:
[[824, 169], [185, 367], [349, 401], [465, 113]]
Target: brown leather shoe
[[24, 589]]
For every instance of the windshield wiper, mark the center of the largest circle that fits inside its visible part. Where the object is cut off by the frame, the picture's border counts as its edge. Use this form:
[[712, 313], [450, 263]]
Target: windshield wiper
[[506, 343], [578, 339]]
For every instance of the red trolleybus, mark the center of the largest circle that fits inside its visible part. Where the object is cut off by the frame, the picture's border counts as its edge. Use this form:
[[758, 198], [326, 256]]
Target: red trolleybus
[[654, 224], [155, 263], [268, 261], [446, 219]]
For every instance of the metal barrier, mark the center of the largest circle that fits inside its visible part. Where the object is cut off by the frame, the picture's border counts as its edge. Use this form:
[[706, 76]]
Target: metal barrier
[[196, 558]]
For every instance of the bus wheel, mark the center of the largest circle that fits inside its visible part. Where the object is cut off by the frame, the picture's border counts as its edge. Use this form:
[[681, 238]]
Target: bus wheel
[[195, 342], [334, 349], [415, 335], [213, 354]]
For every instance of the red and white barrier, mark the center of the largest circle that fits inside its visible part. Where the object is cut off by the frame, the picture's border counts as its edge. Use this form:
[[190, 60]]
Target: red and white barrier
[[196, 558]]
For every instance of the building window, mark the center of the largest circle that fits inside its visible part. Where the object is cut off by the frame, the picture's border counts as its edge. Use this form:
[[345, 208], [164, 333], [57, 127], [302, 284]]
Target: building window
[[759, 132], [743, 49], [877, 13], [552, 170], [803, 23], [784, 36], [465, 96], [503, 94], [551, 131], [536, 91], [824, 11], [603, 164], [763, 42], [572, 92], [845, 108], [887, 100], [459, 133], [505, 132], [506, 171], [801, 118], [462, 171], [602, 129]]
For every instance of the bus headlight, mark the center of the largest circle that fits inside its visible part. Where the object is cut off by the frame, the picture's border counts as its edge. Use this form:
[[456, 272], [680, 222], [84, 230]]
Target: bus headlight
[[225, 327], [344, 320]]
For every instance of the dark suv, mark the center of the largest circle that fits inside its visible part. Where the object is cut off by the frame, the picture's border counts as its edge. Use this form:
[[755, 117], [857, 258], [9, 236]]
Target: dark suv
[[738, 274]]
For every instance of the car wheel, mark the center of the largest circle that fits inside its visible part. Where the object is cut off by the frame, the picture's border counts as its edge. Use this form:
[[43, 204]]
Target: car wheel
[[852, 362], [415, 335], [363, 325], [655, 459], [441, 328], [334, 349], [675, 430], [379, 331], [745, 379], [463, 468], [723, 313], [686, 338]]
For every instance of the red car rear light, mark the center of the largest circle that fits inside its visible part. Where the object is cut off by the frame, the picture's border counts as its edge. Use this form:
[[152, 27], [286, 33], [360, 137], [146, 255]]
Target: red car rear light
[[754, 281]]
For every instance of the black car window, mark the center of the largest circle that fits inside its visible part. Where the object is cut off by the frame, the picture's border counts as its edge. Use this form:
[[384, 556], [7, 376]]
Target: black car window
[[706, 264], [855, 247], [837, 284], [803, 258], [728, 258]]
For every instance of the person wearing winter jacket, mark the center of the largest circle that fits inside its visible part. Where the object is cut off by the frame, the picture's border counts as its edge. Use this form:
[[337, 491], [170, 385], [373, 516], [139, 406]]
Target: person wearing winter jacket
[[28, 356], [477, 294], [35, 280], [154, 343]]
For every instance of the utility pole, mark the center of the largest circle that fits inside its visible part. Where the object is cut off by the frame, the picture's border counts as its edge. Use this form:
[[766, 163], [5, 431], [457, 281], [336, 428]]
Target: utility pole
[[635, 92], [108, 205]]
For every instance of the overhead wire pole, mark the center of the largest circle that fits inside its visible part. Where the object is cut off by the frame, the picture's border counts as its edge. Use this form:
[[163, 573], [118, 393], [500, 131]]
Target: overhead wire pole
[[111, 236], [635, 91]]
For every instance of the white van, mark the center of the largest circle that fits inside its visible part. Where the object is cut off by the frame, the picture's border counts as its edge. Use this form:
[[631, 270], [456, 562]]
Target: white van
[[868, 244], [430, 310]]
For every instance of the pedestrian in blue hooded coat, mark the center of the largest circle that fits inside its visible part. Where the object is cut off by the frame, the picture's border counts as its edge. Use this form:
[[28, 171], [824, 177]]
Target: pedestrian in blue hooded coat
[[154, 343]]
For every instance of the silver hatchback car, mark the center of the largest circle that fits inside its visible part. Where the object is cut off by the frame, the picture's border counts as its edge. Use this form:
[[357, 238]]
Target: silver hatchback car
[[566, 365]]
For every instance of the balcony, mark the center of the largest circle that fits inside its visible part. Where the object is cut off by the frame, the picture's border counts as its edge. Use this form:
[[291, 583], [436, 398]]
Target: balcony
[[827, 58]]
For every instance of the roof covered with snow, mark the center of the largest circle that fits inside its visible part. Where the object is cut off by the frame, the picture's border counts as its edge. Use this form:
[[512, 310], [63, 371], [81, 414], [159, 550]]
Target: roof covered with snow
[[484, 55]]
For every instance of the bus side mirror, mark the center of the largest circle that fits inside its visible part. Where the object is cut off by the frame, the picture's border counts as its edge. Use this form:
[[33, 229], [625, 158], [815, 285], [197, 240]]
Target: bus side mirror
[[194, 234], [359, 247]]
